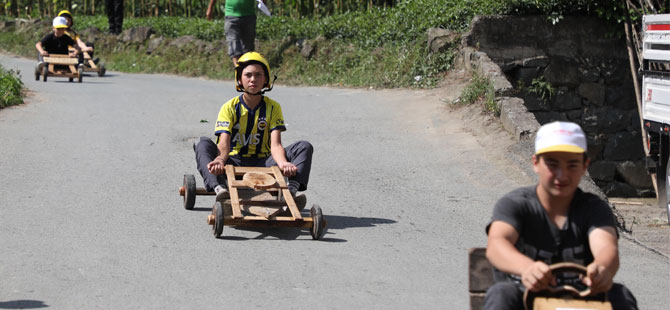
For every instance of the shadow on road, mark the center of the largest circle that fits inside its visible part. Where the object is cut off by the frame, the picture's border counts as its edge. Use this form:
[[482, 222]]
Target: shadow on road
[[22, 304], [335, 222]]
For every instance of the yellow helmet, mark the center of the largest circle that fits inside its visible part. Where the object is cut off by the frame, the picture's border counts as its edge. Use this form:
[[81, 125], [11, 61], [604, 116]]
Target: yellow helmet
[[253, 58], [66, 13]]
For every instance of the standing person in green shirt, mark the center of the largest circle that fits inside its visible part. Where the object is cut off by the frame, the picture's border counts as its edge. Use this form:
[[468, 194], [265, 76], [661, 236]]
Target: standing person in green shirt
[[240, 27]]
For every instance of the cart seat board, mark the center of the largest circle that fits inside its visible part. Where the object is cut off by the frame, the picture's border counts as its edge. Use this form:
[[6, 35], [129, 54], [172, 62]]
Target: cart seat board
[[259, 180]]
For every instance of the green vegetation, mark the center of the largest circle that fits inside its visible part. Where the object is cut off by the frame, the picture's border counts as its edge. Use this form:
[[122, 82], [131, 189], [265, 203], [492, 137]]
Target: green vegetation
[[359, 43], [11, 88], [540, 86], [480, 91]]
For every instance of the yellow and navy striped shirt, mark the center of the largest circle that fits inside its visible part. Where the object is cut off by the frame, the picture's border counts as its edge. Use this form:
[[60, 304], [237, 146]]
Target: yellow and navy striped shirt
[[249, 129]]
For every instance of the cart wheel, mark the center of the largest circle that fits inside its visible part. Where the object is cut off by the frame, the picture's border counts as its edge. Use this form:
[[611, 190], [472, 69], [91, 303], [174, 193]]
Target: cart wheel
[[80, 74], [102, 70], [189, 193], [45, 71], [217, 228], [317, 222], [70, 80]]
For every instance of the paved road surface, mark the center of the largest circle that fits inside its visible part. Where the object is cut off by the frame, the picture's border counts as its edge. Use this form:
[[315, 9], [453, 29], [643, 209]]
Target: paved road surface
[[90, 217]]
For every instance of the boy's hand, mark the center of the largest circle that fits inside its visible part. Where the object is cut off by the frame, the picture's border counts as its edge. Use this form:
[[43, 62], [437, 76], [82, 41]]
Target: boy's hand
[[598, 278], [537, 277], [288, 169], [217, 166], [44, 53]]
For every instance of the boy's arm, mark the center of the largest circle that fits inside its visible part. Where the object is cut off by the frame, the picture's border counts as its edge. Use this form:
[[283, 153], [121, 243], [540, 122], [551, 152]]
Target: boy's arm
[[218, 165], [39, 48], [279, 154], [77, 50], [600, 273], [501, 252], [83, 45]]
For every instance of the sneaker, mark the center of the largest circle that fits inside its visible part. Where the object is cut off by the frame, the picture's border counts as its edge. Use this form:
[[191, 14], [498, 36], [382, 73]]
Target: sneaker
[[96, 60], [300, 201], [221, 193]]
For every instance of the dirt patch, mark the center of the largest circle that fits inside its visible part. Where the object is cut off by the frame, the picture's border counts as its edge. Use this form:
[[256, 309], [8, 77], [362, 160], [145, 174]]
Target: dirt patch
[[646, 222]]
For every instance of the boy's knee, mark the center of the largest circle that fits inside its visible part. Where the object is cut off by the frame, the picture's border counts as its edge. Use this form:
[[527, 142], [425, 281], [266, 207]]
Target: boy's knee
[[305, 145], [503, 295], [204, 144]]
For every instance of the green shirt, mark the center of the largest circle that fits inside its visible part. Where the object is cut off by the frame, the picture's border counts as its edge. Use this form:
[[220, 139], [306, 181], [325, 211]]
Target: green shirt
[[240, 8]]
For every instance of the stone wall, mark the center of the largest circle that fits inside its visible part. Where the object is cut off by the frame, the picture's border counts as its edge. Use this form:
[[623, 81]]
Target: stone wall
[[574, 70]]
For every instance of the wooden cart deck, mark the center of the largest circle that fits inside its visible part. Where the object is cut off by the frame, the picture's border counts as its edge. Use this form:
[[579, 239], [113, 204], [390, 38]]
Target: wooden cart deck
[[259, 199], [60, 66]]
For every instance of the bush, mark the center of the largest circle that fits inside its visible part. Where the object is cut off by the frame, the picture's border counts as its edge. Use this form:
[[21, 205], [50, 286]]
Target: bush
[[11, 88]]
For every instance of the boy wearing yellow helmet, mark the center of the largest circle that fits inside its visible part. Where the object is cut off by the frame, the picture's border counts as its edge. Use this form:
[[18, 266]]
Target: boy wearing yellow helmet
[[248, 130], [85, 47]]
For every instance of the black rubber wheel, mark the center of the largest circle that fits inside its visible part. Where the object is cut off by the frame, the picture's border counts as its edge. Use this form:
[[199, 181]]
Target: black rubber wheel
[[80, 74], [189, 191], [102, 70], [70, 80], [45, 71], [317, 222], [217, 228]]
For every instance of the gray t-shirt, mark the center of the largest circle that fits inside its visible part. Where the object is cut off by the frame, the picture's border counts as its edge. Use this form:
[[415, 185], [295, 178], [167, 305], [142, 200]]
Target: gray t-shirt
[[540, 239]]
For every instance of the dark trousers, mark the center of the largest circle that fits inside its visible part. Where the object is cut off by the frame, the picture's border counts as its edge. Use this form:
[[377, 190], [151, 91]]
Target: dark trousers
[[299, 154], [240, 34], [509, 296], [114, 10]]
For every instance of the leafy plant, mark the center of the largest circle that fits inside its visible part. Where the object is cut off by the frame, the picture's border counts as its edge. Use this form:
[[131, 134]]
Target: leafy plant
[[540, 86], [11, 88]]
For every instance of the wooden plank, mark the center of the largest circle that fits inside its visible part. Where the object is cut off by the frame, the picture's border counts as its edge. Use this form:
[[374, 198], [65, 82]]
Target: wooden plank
[[54, 59], [243, 170], [203, 191], [480, 270], [266, 212], [263, 203], [259, 221], [72, 69], [286, 193], [234, 198]]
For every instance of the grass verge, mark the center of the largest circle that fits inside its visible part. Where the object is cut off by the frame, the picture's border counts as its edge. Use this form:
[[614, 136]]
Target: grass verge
[[480, 91]]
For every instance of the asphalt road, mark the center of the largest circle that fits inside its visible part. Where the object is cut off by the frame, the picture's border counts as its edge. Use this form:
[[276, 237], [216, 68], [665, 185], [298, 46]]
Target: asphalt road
[[90, 217]]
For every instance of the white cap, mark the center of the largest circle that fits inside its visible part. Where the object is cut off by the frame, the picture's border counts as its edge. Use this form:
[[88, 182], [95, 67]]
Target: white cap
[[60, 22], [560, 137]]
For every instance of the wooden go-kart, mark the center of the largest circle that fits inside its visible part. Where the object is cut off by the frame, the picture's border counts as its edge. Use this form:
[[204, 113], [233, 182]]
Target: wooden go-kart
[[259, 197], [91, 66], [59, 65], [570, 293]]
